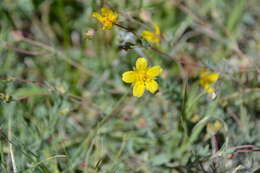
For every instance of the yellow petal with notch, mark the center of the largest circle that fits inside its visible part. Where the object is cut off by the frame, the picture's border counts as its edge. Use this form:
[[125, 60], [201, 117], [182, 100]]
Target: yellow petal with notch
[[213, 77], [151, 86], [138, 89], [129, 77], [154, 71], [141, 63]]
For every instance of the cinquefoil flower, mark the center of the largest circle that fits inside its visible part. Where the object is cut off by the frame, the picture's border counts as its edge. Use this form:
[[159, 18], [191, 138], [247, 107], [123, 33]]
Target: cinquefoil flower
[[152, 37], [142, 77], [207, 79], [107, 17], [213, 128]]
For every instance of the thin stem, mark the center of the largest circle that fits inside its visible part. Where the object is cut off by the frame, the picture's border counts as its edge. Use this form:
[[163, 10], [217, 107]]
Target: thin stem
[[107, 117], [11, 145], [41, 84], [76, 99], [214, 143], [155, 49], [127, 29]]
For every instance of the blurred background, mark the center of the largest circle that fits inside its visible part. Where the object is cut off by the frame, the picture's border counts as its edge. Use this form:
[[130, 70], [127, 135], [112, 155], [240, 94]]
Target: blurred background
[[64, 107]]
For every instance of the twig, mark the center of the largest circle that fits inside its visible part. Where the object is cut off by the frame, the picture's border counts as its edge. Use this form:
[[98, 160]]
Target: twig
[[125, 28], [49, 158], [214, 143], [246, 149], [12, 157], [16, 49], [244, 146], [155, 49], [41, 84]]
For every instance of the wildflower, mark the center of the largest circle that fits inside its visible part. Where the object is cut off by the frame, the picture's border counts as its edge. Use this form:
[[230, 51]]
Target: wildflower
[[213, 128], [141, 123], [107, 18], [5, 98], [195, 118], [207, 79], [61, 89], [142, 77], [152, 37], [64, 111]]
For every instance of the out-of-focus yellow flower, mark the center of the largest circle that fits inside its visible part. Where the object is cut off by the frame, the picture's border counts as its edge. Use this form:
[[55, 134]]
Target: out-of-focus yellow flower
[[64, 111], [107, 17], [6, 98], [141, 123], [142, 77], [213, 128], [195, 118], [207, 79], [61, 89], [152, 37]]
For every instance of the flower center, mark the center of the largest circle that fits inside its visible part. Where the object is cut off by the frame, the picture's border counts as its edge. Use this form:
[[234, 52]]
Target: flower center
[[142, 76], [106, 20]]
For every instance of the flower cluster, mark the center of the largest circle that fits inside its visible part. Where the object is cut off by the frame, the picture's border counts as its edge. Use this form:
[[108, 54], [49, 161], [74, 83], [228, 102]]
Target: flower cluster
[[207, 79], [143, 77], [106, 17]]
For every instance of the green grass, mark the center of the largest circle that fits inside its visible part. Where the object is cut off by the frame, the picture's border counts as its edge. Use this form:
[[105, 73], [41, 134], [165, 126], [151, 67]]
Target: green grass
[[70, 111]]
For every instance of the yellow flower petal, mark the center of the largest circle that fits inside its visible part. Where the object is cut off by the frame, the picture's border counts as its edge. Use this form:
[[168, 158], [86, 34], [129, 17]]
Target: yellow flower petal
[[142, 77], [96, 15], [141, 64], [113, 16], [107, 18], [210, 89], [207, 79], [204, 84], [107, 26], [129, 77], [213, 77], [156, 29], [105, 11], [213, 128], [150, 36], [153, 37], [138, 89], [147, 34], [151, 86], [154, 71]]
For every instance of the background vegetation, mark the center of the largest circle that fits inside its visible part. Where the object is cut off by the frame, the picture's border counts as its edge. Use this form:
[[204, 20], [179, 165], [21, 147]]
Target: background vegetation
[[71, 112]]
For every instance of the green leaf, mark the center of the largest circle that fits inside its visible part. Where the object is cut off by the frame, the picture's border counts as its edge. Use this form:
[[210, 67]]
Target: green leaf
[[235, 15], [160, 159]]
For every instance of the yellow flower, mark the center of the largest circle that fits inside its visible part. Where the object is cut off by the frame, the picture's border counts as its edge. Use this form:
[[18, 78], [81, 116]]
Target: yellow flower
[[6, 98], [142, 77], [153, 37], [213, 128], [207, 79], [107, 18]]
